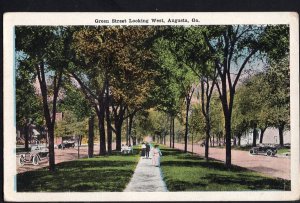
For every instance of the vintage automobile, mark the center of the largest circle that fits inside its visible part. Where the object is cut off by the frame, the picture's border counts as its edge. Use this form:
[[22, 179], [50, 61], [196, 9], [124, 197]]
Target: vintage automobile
[[66, 144], [37, 154], [265, 150]]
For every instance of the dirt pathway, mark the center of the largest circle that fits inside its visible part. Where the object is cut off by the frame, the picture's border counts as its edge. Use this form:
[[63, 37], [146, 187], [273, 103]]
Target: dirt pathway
[[272, 166]]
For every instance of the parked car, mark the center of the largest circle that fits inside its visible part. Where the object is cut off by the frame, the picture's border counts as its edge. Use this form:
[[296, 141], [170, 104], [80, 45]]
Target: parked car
[[266, 150], [38, 153], [66, 144]]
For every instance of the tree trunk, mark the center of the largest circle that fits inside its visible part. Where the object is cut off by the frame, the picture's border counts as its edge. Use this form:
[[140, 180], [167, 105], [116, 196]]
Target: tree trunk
[[228, 140], [91, 137], [101, 118], [26, 136], [173, 133], [108, 129], [134, 140], [262, 135], [281, 130], [51, 147], [206, 143], [186, 125], [118, 127], [119, 118], [127, 131], [239, 141], [130, 128], [254, 136]]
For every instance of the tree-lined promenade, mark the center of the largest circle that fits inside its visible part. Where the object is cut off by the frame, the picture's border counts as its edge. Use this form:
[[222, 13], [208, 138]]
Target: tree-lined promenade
[[126, 82]]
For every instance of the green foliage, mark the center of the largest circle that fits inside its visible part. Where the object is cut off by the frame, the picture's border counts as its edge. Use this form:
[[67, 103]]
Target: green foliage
[[197, 122], [275, 41], [28, 103], [278, 96], [74, 100], [217, 116], [70, 126], [263, 99]]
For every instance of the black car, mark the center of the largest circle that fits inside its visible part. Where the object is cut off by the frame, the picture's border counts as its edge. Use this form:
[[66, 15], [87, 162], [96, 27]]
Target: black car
[[266, 150], [68, 144]]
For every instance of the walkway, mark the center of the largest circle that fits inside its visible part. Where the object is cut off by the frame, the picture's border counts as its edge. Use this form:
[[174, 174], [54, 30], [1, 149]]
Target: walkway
[[146, 178]]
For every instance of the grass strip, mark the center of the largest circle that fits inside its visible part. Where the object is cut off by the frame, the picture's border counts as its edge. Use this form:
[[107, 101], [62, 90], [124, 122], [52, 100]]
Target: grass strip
[[103, 173], [188, 172]]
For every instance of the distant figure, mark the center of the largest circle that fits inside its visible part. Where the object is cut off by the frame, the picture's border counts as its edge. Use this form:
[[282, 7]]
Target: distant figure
[[143, 149], [130, 149], [147, 150], [156, 156], [151, 151]]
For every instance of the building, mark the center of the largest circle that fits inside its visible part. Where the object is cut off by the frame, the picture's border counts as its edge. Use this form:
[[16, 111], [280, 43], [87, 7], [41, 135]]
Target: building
[[271, 136]]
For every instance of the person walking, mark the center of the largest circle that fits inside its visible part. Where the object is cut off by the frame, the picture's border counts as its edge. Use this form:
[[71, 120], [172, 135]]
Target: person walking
[[143, 150], [147, 150], [156, 156]]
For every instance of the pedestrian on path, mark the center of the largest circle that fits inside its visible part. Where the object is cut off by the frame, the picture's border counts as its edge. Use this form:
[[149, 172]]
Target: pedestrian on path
[[151, 151], [143, 149], [156, 156], [147, 150]]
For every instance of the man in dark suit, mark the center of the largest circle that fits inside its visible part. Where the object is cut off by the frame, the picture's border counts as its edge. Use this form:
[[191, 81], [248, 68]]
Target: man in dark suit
[[147, 150]]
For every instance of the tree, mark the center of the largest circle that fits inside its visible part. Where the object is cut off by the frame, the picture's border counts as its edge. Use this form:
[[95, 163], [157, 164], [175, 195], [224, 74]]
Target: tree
[[28, 103], [250, 96], [197, 123], [234, 48], [173, 56], [278, 99], [217, 117], [116, 60], [47, 50], [204, 69], [74, 101], [70, 126]]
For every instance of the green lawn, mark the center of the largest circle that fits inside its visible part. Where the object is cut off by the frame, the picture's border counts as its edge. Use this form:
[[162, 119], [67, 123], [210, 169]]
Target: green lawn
[[187, 172], [109, 173]]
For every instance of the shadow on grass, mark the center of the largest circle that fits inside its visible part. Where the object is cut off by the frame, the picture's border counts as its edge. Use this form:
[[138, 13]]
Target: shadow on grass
[[95, 174], [212, 175], [202, 163], [178, 185], [77, 165], [171, 152], [251, 182]]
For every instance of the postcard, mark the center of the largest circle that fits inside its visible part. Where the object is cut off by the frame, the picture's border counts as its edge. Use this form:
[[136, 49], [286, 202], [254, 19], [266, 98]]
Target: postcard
[[151, 106]]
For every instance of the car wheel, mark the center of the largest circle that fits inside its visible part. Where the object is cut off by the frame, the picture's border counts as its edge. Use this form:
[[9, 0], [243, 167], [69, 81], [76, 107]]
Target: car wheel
[[21, 160], [269, 153], [35, 160], [251, 151]]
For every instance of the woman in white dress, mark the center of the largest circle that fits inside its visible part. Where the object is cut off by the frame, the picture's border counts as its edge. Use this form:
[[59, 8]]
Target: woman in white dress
[[156, 156]]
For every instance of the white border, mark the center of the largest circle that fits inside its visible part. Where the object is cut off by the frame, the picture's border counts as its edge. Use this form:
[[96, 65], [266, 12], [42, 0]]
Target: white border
[[13, 19]]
